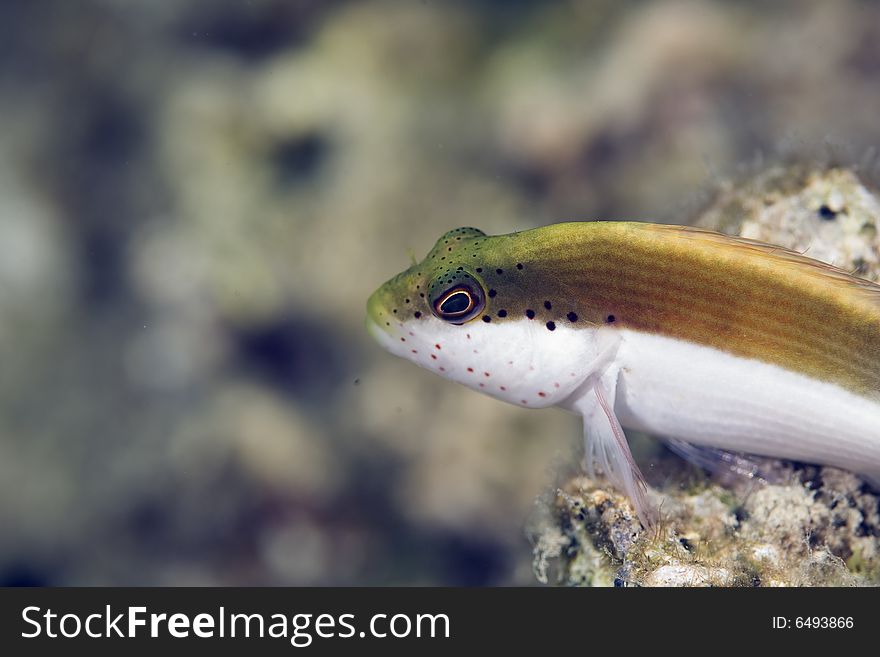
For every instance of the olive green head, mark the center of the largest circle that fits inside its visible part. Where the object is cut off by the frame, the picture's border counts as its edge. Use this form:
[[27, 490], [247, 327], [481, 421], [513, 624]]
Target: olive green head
[[471, 277], [446, 284]]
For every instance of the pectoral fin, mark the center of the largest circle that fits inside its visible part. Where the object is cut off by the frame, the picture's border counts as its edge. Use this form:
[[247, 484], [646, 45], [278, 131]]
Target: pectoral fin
[[605, 443]]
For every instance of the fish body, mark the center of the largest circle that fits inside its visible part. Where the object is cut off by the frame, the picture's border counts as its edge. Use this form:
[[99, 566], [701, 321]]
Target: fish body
[[693, 336]]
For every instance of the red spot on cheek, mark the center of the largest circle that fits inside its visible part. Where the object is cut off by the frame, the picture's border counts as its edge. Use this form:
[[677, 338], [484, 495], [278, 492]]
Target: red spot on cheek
[[503, 388], [403, 339], [415, 351], [468, 336], [433, 357], [555, 385], [524, 401], [482, 385], [442, 369], [470, 369], [542, 394], [485, 373], [436, 346]]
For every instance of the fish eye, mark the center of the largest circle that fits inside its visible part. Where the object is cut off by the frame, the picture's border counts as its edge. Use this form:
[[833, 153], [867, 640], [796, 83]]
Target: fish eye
[[459, 304]]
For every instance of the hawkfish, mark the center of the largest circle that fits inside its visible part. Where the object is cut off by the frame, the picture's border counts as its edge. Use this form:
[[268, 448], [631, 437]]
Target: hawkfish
[[718, 344]]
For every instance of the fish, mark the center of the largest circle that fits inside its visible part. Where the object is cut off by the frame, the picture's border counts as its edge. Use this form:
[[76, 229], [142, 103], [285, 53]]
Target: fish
[[719, 345]]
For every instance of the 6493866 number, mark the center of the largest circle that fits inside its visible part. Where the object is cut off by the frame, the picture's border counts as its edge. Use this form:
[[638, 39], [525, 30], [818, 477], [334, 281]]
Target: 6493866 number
[[824, 622]]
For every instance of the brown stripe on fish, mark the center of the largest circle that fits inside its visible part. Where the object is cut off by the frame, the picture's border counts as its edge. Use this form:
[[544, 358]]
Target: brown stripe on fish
[[740, 297]]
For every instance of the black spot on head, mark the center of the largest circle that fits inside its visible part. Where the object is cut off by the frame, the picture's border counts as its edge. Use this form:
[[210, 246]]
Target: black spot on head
[[394, 311], [530, 314], [406, 300], [572, 317], [502, 313], [499, 271], [492, 293], [418, 314], [519, 265], [548, 305], [551, 326], [479, 269], [611, 319], [487, 319]]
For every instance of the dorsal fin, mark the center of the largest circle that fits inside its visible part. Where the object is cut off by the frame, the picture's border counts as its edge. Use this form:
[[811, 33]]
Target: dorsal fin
[[786, 258]]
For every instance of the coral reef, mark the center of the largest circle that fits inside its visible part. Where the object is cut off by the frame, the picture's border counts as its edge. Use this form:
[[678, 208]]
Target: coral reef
[[821, 532]]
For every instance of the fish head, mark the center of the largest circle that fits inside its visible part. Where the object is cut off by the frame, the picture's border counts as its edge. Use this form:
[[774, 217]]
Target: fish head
[[477, 311]]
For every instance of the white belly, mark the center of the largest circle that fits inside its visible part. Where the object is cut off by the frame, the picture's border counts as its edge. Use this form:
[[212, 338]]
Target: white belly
[[676, 389]]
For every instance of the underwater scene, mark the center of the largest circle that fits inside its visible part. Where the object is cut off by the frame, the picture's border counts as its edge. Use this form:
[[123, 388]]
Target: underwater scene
[[197, 201]]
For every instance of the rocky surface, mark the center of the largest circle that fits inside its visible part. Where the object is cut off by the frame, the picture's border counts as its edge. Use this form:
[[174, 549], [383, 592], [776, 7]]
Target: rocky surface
[[824, 531], [827, 213]]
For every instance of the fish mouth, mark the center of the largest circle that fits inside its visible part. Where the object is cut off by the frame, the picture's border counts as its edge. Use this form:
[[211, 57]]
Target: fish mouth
[[379, 321], [374, 312], [375, 324], [380, 334], [387, 337]]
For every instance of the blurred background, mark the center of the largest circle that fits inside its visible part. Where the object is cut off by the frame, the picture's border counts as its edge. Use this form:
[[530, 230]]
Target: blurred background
[[196, 199]]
